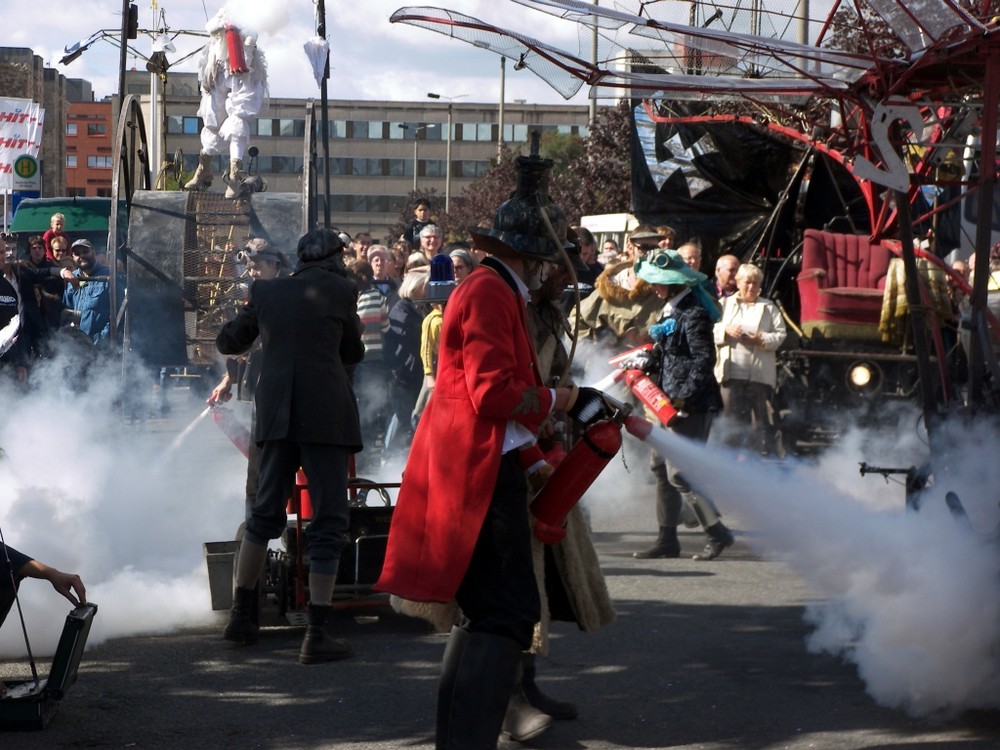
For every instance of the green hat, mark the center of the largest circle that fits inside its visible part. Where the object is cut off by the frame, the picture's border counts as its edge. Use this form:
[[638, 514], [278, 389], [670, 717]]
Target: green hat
[[667, 267]]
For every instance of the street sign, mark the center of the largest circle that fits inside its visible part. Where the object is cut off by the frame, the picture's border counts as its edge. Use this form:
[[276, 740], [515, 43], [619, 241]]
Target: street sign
[[27, 176]]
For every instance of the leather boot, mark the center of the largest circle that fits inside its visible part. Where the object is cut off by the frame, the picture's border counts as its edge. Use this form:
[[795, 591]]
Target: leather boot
[[318, 646], [667, 545], [241, 628], [480, 692], [234, 178], [719, 537], [524, 722], [547, 705], [202, 175]]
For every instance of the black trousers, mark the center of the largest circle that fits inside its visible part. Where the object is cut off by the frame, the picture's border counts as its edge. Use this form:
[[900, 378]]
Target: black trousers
[[498, 593], [326, 471]]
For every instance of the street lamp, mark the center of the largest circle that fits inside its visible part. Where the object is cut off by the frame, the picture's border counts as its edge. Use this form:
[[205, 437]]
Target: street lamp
[[416, 132], [447, 166]]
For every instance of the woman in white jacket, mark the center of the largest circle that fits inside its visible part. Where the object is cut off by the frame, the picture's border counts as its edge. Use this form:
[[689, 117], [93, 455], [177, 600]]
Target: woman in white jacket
[[747, 337]]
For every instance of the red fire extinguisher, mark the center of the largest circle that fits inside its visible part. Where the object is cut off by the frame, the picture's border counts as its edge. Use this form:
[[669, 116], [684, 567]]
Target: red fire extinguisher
[[299, 503], [574, 475], [234, 42], [650, 394], [642, 385], [232, 427]]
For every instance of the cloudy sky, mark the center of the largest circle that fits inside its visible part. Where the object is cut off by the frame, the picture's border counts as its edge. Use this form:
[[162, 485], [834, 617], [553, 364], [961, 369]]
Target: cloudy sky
[[372, 58]]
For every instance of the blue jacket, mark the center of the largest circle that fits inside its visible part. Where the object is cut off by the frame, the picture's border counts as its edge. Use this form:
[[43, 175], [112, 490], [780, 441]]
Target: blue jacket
[[92, 300]]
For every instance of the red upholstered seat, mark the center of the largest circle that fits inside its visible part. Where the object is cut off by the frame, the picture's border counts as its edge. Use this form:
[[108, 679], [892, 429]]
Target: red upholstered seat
[[841, 282]]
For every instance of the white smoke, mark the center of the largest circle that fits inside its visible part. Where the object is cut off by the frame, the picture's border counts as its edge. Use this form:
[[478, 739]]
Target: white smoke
[[911, 598], [85, 491], [257, 16]]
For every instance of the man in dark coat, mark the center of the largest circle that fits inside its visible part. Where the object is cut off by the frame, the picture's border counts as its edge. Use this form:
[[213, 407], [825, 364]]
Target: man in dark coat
[[306, 416]]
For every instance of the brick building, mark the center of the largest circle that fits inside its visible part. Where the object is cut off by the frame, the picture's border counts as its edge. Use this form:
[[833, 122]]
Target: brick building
[[89, 146]]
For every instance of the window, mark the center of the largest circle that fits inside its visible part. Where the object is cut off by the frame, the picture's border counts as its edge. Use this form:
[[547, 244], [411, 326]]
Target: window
[[472, 168], [515, 133], [70, 128], [175, 124], [265, 127], [338, 128], [358, 129], [397, 167], [191, 126], [434, 167], [71, 161], [99, 162], [373, 167], [96, 128], [435, 131], [289, 128], [375, 130], [484, 131]]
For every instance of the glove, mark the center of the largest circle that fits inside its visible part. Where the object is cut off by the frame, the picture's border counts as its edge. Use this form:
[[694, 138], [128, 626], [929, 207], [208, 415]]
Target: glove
[[588, 407], [639, 361]]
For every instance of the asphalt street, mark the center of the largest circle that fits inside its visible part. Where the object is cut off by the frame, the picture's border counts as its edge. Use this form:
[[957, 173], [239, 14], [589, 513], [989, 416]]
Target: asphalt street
[[702, 655]]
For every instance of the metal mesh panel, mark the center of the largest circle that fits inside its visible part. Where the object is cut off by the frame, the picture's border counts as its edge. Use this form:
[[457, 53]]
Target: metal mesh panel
[[214, 289]]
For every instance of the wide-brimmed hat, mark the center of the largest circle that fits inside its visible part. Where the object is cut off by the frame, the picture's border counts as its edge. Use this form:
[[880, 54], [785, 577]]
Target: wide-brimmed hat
[[667, 267], [528, 224]]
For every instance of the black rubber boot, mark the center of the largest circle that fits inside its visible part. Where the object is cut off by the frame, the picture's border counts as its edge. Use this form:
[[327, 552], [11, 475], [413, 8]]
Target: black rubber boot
[[241, 628], [470, 717], [318, 646], [719, 537], [524, 722], [667, 545], [446, 687], [547, 705]]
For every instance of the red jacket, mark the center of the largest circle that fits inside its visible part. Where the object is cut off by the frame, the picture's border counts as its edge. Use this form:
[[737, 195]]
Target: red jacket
[[487, 375]]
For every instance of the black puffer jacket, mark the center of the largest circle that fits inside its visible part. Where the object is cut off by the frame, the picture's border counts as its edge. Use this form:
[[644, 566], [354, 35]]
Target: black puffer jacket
[[686, 356]]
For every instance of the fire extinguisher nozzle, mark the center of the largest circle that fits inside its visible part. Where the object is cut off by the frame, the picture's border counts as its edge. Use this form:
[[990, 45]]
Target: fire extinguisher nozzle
[[638, 427]]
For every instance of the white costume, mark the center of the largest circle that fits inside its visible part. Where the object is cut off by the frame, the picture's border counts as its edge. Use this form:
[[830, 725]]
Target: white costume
[[231, 96]]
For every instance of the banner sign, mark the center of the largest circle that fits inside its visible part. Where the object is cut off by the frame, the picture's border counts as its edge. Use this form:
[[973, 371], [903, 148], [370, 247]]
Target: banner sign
[[21, 122]]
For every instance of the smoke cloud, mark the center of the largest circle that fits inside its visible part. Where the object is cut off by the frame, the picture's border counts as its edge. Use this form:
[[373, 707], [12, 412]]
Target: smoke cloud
[[86, 492], [911, 598]]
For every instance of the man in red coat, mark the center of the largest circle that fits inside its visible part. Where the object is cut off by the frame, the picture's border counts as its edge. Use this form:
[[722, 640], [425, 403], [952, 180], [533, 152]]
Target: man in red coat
[[460, 528]]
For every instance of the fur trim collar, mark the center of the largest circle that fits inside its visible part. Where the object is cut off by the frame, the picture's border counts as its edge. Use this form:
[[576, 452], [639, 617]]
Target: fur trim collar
[[611, 291]]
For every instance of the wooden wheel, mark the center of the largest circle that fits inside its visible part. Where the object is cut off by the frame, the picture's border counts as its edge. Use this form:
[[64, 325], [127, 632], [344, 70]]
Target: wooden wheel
[[130, 172]]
